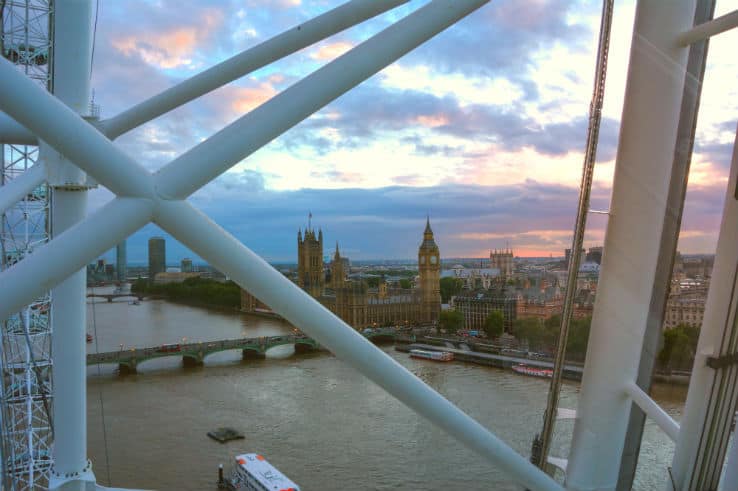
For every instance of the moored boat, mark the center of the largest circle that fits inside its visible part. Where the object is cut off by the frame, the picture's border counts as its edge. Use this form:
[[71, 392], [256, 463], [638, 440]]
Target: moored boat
[[533, 372], [432, 355]]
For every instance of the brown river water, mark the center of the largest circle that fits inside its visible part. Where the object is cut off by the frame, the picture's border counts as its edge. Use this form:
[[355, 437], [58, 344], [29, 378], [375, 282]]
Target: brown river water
[[315, 418]]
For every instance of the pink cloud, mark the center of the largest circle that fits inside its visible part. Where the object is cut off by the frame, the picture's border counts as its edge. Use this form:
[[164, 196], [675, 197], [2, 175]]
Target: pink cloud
[[331, 50], [170, 48], [432, 120], [244, 99]]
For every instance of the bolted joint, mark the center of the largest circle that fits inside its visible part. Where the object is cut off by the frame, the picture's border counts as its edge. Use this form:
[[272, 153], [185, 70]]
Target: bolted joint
[[58, 479], [61, 173]]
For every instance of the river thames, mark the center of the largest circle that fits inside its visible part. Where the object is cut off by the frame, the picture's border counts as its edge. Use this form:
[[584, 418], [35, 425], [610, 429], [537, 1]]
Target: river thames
[[314, 417]]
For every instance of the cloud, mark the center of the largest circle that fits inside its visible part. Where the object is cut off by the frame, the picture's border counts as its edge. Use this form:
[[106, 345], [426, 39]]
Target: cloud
[[484, 125], [330, 51]]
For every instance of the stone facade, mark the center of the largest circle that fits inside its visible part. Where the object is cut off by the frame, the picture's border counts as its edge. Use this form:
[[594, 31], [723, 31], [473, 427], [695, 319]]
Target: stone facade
[[353, 301], [310, 275], [475, 306], [686, 304], [503, 261]]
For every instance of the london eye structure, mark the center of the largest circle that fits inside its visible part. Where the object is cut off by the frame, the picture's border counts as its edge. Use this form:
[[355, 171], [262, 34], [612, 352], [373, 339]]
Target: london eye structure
[[76, 150]]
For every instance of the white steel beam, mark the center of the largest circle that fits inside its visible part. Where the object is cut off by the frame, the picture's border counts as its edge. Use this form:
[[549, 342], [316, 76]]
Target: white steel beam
[[21, 186], [729, 481], [219, 248], [72, 250], [653, 410], [713, 391], [709, 29], [65, 131], [69, 350], [12, 133], [643, 168], [295, 39], [206, 161], [72, 63]]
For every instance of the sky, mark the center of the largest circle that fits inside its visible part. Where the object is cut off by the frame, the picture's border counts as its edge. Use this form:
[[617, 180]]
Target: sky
[[482, 128]]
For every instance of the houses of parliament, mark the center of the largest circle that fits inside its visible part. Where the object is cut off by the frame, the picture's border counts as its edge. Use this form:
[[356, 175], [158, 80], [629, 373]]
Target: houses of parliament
[[353, 300]]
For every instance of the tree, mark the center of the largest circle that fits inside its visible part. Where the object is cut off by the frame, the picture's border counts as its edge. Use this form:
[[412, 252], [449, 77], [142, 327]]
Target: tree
[[680, 344], [532, 330], [451, 320], [576, 342], [450, 286], [494, 324], [373, 281], [405, 283]]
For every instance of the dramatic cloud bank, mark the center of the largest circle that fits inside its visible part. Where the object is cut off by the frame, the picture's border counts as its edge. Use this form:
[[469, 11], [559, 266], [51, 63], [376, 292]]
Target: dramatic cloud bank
[[482, 127]]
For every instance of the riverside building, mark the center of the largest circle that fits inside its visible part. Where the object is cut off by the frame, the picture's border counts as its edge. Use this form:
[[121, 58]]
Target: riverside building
[[353, 300]]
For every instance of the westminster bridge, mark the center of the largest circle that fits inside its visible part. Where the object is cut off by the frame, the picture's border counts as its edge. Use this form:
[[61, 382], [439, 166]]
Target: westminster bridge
[[194, 354]]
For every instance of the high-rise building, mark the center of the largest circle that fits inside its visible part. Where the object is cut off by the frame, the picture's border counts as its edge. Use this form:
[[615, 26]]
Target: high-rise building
[[186, 265], [157, 257], [121, 261], [429, 267]]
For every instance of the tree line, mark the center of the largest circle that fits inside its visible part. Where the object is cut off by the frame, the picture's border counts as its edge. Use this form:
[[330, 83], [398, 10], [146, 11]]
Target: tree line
[[195, 291], [679, 344]]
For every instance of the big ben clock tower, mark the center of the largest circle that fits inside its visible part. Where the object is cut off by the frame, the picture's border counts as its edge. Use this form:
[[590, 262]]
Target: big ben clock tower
[[429, 267]]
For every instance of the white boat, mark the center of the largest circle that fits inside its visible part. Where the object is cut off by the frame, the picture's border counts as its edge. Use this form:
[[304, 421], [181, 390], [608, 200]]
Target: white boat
[[432, 355], [252, 472], [533, 372]]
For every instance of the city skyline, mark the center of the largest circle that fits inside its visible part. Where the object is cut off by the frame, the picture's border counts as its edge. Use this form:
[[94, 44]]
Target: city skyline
[[492, 146]]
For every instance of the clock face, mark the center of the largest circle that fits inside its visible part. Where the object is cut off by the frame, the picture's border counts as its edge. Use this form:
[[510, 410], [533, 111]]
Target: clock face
[[433, 259], [422, 260]]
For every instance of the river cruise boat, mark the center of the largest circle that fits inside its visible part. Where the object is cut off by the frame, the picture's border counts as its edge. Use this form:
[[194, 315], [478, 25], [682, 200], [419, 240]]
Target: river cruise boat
[[533, 372], [252, 472], [432, 355]]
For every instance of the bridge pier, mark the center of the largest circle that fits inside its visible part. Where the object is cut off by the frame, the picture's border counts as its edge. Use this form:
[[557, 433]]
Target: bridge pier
[[250, 354], [128, 368], [303, 348], [110, 299], [193, 360]]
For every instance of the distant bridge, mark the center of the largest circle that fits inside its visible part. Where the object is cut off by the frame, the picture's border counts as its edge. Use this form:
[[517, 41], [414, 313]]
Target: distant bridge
[[194, 354], [110, 296]]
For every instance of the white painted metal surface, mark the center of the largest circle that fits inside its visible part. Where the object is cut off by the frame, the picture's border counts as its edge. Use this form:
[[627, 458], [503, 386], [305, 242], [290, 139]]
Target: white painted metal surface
[[715, 339], [222, 250], [122, 216], [16, 189], [729, 481], [312, 31], [709, 29], [651, 109], [69, 351], [25, 359], [653, 410], [65, 131], [72, 64], [13, 133], [237, 141], [642, 170], [72, 250]]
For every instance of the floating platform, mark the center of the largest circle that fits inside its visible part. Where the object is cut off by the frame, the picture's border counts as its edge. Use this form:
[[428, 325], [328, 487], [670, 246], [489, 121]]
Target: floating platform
[[225, 434]]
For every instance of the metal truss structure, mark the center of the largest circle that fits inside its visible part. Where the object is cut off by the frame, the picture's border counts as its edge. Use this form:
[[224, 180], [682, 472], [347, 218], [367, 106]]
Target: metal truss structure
[[25, 337], [74, 144]]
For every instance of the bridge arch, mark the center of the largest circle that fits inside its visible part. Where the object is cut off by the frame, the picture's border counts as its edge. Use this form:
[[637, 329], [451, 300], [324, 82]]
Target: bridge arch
[[247, 351]]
